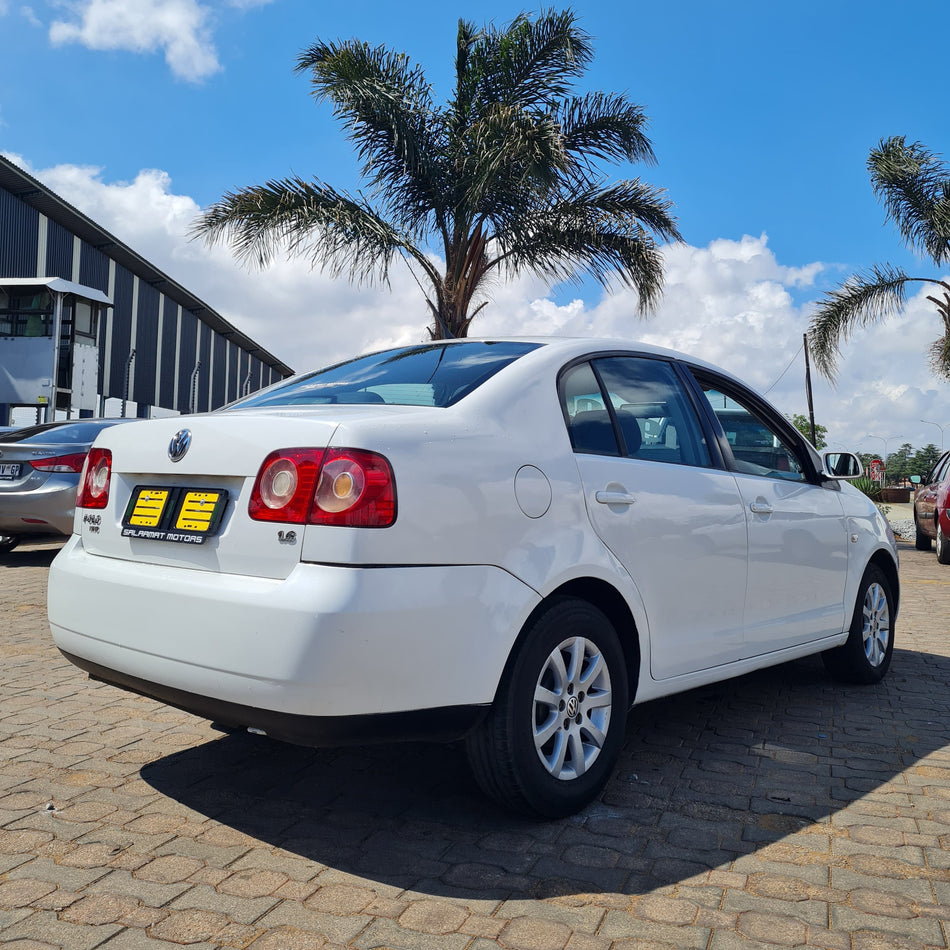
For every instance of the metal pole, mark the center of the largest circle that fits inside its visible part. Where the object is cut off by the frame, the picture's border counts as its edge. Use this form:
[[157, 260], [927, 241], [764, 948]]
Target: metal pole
[[194, 392], [940, 427], [811, 407], [128, 374], [50, 414]]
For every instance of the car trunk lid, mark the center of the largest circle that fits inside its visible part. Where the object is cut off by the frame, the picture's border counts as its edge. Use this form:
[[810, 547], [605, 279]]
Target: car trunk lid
[[193, 512]]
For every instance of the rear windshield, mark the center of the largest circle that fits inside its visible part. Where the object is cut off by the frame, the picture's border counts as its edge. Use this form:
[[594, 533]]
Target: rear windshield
[[438, 374]]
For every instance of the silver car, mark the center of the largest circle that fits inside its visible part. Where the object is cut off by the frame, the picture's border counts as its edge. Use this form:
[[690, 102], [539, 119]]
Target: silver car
[[39, 471]]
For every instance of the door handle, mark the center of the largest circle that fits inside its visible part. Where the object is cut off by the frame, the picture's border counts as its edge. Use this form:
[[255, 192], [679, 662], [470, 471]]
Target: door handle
[[614, 498], [761, 508]]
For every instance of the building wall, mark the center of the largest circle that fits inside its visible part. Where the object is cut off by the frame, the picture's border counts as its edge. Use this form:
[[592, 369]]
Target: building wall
[[168, 339]]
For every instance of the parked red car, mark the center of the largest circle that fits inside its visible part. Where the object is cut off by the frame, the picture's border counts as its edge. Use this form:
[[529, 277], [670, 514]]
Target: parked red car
[[932, 509]]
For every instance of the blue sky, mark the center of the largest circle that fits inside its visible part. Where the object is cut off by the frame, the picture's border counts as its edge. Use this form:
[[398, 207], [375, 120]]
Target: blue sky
[[762, 114]]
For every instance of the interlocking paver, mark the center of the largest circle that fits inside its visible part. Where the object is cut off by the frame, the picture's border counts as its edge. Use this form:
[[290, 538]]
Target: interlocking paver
[[776, 810]]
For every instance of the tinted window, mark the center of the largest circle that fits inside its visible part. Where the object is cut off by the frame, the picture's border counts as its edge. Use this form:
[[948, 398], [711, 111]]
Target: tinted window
[[757, 445], [588, 419], [636, 403], [436, 375]]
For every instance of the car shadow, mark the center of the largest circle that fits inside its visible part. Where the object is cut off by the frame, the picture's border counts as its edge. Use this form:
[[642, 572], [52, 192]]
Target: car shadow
[[36, 554], [705, 777]]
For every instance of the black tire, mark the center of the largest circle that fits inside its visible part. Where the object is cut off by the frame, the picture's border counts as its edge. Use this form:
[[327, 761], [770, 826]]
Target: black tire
[[866, 656], [8, 542], [921, 539], [943, 545], [514, 754]]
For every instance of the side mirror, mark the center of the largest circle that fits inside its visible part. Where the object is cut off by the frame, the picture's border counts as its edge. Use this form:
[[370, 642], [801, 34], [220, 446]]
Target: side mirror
[[915, 479], [842, 465]]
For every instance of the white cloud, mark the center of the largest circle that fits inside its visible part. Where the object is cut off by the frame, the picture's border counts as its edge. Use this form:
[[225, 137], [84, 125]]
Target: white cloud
[[729, 303], [178, 27]]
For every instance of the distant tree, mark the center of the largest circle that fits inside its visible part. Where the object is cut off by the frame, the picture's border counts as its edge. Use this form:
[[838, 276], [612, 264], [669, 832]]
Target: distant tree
[[914, 185], [803, 424], [924, 460], [898, 463], [502, 179]]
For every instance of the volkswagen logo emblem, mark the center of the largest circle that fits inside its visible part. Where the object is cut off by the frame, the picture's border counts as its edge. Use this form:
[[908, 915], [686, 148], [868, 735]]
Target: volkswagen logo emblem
[[179, 444]]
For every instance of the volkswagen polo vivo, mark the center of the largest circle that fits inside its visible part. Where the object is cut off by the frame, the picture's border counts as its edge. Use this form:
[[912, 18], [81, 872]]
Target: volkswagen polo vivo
[[508, 542]]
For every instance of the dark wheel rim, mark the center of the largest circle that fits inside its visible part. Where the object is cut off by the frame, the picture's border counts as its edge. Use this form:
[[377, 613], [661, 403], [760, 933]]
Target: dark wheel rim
[[572, 704], [876, 629]]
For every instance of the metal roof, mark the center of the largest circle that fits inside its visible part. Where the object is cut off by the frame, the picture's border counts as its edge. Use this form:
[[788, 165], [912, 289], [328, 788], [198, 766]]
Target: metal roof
[[34, 193], [59, 285]]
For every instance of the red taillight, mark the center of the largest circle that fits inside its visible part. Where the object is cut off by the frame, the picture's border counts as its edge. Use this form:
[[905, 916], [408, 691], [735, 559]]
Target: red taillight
[[93, 489], [344, 487], [61, 463]]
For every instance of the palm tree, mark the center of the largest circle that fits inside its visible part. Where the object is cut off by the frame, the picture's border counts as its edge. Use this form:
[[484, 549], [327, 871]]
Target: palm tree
[[914, 185], [500, 180]]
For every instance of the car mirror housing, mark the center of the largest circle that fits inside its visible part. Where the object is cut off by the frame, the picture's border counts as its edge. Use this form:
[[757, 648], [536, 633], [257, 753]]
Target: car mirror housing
[[842, 465], [915, 479]]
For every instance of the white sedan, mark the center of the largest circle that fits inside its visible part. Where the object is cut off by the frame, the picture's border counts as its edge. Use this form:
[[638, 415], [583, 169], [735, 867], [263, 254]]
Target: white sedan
[[506, 541]]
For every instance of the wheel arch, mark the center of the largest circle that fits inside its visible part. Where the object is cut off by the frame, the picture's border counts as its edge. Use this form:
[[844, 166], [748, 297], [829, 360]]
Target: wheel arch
[[887, 565], [606, 598]]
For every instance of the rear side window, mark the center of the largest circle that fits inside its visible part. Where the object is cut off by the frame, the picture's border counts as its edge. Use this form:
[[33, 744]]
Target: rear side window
[[439, 374], [632, 406]]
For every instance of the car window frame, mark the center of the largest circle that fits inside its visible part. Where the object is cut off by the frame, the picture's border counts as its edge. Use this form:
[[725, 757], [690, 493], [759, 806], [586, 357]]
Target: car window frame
[[687, 386], [806, 456]]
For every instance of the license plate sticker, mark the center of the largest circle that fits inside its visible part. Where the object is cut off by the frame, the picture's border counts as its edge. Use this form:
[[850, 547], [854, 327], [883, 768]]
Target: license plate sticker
[[10, 470], [186, 515]]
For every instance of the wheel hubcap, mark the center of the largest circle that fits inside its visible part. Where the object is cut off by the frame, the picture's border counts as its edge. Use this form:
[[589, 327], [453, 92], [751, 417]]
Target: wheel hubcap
[[877, 624], [572, 701]]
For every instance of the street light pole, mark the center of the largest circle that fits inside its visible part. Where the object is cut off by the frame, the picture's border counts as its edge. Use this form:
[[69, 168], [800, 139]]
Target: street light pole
[[940, 427]]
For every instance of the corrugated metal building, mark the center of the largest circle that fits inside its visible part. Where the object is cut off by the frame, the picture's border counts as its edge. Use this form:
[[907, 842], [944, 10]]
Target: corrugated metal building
[[83, 318]]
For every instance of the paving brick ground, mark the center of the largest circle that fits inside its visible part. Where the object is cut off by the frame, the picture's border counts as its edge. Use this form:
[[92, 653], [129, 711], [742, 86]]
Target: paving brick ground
[[775, 810]]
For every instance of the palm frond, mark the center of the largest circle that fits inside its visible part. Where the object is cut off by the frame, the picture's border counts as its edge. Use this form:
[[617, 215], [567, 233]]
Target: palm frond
[[863, 298], [334, 231], [605, 126], [532, 63], [609, 233], [940, 356], [386, 105], [914, 185]]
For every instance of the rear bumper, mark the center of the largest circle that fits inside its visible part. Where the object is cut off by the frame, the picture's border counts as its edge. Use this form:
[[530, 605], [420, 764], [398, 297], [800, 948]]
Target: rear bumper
[[322, 645], [46, 509], [441, 725]]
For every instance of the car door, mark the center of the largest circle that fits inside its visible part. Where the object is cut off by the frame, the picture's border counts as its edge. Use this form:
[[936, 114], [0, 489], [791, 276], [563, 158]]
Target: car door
[[797, 530], [674, 522]]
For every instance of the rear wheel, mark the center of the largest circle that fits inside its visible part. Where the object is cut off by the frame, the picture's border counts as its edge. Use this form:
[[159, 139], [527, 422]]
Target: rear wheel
[[921, 538], [866, 655], [943, 545], [555, 730], [8, 542]]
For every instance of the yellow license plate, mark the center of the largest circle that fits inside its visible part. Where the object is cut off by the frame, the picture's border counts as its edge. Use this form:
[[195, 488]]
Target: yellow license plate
[[188, 515], [148, 507]]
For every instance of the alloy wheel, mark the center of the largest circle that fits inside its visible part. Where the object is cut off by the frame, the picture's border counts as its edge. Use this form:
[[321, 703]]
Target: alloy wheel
[[572, 704], [876, 630]]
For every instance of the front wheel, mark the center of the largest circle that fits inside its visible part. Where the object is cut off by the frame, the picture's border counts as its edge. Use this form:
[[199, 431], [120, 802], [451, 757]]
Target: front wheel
[[943, 545], [921, 538], [550, 742], [866, 655]]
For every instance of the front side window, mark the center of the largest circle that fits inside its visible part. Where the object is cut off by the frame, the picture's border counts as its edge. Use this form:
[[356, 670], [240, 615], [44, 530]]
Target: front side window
[[632, 406], [439, 374], [757, 446]]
